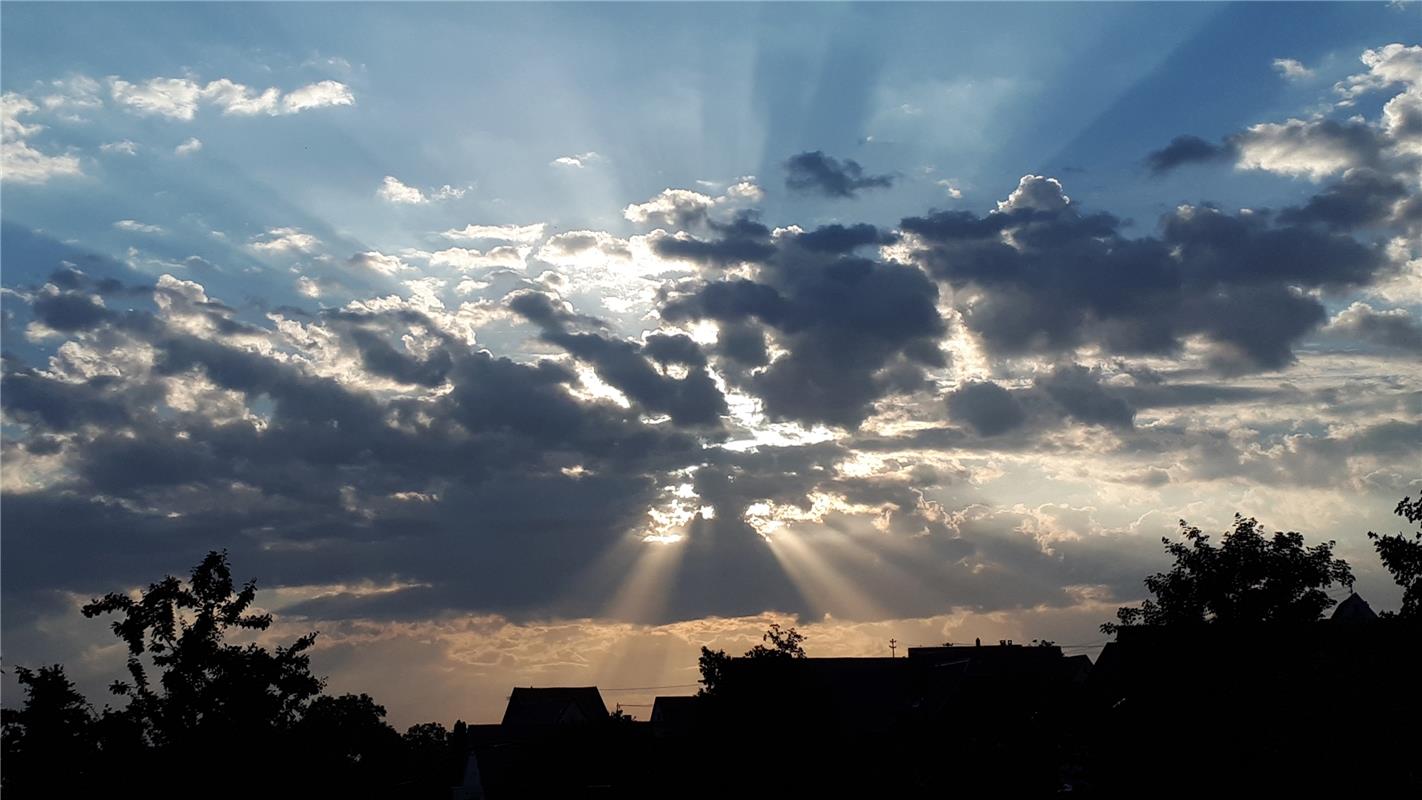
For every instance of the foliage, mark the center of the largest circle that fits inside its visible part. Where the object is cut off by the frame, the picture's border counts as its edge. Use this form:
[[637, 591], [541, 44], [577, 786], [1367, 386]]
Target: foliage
[[776, 643], [783, 644], [208, 687], [1248, 578], [236, 719], [53, 730], [1402, 556]]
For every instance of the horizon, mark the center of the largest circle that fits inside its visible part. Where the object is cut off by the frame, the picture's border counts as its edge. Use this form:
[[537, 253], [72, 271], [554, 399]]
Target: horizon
[[541, 345]]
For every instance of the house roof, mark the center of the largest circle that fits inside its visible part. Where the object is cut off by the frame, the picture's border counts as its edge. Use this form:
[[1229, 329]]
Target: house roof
[[1354, 609], [557, 705]]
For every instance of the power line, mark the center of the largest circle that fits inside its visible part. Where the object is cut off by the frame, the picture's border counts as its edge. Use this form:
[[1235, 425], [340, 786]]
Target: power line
[[649, 688]]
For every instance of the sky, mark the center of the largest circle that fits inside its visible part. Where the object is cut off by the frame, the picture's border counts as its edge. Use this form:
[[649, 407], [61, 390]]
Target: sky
[[544, 344]]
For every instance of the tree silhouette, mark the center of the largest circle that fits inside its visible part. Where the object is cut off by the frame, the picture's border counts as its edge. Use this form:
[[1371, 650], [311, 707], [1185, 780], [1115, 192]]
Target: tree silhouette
[[1248, 578], [209, 690], [53, 731], [783, 643], [1402, 556], [776, 643]]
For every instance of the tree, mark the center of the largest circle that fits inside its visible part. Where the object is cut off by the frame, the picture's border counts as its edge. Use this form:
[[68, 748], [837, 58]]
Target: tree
[[52, 732], [210, 692], [1402, 556], [782, 643], [1248, 578]]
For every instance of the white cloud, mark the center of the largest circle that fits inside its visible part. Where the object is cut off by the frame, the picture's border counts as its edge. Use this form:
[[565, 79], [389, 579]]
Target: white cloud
[[671, 207], [317, 95], [1315, 148], [465, 259], [447, 192], [307, 287], [78, 93], [951, 187], [176, 98], [137, 227], [19, 162], [578, 161], [1388, 65], [285, 240], [379, 262], [1292, 69], [393, 190], [179, 98], [188, 147], [122, 147], [683, 207], [234, 98], [520, 234]]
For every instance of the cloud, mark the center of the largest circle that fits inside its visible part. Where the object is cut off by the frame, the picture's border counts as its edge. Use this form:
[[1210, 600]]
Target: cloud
[[23, 163], [1394, 328], [517, 234], [392, 190], [1387, 66], [180, 98], [675, 207], [1320, 146], [683, 208], [461, 258], [1292, 69], [577, 161], [853, 330], [1311, 148], [1187, 150], [321, 94], [188, 147], [639, 371], [285, 240], [1039, 276], [815, 172], [137, 227], [986, 407], [380, 263], [125, 147]]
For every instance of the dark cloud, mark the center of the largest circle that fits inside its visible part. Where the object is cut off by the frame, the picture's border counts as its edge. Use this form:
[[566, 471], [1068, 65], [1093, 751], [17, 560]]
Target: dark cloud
[[1048, 279], [843, 239], [743, 239], [986, 407], [628, 366], [855, 330], [1079, 393], [815, 172], [1188, 149], [1394, 329], [1362, 198]]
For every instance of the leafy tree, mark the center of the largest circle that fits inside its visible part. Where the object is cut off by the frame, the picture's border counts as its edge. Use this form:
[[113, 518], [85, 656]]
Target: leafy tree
[[209, 691], [347, 740], [1248, 578], [53, 732], [776, 643], [783, 643], [713, 665], [1402, 556]]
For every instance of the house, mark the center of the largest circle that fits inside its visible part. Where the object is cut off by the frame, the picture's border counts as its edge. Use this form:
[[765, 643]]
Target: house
[[674, 716], [553, 707]]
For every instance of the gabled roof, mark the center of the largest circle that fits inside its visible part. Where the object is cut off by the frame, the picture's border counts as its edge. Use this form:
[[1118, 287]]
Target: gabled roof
[[1354, 609], [560, 705]]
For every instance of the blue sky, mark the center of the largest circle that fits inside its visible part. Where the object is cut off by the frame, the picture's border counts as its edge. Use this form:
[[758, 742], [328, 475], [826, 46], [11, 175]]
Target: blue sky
[[344, 217]]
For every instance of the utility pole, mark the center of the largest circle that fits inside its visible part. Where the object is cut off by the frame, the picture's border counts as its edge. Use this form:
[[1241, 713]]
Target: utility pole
[[893, 648]]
